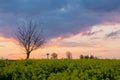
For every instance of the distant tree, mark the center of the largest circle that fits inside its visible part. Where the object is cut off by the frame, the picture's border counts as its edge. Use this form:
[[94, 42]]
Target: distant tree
[[81, 56], [92, 57], [86, 57], [69, 55], [54, 56], [29, 37]]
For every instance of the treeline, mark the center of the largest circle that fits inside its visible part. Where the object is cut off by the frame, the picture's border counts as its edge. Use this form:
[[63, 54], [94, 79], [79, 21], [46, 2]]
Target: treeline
[[87, 57], [69, 56]]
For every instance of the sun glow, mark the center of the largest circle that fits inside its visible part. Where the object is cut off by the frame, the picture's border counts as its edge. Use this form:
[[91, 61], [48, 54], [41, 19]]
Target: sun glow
[[93, 42]]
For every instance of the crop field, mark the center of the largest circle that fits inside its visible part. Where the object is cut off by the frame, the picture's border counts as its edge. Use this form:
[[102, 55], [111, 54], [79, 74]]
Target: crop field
[[60, 69]]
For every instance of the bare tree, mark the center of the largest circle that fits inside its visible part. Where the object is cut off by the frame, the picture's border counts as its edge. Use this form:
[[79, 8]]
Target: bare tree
[[69, 55], [54, 56], [29, 37]]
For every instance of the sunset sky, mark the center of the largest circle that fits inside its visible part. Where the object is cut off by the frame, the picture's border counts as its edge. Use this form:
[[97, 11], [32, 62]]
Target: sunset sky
[[88, 27]]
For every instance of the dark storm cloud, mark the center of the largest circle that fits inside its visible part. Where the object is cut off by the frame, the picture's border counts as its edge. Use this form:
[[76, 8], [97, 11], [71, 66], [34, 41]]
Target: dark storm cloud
[[58, 17], [30, 7], [101, 5]]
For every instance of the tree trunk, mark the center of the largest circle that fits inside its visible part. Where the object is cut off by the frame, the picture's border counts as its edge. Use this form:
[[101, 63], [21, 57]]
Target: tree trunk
[[28, 54]]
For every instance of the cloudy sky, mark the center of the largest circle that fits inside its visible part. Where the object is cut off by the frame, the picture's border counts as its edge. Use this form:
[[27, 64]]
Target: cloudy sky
[[88, 27]]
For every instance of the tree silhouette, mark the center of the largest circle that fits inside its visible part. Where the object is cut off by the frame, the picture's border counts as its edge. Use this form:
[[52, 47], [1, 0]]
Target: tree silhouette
[[92, 57], [29, 37], [69, 55], [86, 57], [81, 56], [54, 56]]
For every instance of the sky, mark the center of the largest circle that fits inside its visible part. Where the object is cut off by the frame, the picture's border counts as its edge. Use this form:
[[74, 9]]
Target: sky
[[88, 27]]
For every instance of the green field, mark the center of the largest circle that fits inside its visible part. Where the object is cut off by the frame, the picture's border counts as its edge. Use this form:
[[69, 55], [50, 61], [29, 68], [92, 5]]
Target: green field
[[60, 69]]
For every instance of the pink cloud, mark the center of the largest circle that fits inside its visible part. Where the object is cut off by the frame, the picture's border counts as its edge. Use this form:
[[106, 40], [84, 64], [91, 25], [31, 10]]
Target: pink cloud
[[90, 33]]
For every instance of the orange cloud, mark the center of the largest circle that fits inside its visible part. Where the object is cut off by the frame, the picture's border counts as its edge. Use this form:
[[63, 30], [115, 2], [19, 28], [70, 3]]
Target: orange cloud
[[10, 39]]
